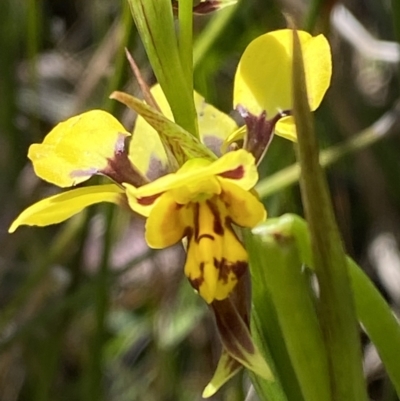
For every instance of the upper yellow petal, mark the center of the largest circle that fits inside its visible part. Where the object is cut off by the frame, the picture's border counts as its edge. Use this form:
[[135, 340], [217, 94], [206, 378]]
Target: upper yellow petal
[[237, 167], [77, 148], [263, 79], [58, 208]]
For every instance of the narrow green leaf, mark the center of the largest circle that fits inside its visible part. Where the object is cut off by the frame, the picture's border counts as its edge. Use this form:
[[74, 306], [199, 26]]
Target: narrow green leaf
[[155, 22], [336, 303], [291, 294], [378, 320], [175, 138]]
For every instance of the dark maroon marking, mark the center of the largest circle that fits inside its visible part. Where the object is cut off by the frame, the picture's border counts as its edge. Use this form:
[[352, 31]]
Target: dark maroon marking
[[209, 236], [232, 328], [196, 282], [120, 168], [260, 131], [235, 174], [205, 7], [148, 200], [196, 222], [217, 225], [239, 268], [188, 232]]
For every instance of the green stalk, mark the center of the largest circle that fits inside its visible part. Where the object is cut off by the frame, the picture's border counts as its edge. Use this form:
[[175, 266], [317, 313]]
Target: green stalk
[[155, 22], [336, 303], [186, 39]]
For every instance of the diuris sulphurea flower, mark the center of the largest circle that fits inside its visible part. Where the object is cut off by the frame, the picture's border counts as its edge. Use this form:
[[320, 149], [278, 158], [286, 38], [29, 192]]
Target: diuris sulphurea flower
[[194, 188]]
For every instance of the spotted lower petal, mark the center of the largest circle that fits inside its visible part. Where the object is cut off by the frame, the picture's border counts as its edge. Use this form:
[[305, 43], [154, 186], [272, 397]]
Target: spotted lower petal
[[243, 207], [58, 208], [78, 148], [263, 79], [216, 259], [168, 222]]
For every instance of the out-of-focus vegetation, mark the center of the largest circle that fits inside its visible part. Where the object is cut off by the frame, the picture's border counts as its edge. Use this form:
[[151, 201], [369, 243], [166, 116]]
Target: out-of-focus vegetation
[[88, 312]]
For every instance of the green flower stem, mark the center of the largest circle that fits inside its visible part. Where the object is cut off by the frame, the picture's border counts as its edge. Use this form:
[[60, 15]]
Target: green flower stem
[[336, 303], [155, 22], [291, 174], [185, 11]]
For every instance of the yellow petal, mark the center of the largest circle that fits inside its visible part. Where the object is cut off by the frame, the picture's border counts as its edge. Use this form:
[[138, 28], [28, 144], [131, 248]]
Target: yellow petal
[[263, 79], [215, 258], [61, 207], [237, 167], [286, 128], [243, 208], [77, 148], [146, 151], [168, 222], [214, 125]]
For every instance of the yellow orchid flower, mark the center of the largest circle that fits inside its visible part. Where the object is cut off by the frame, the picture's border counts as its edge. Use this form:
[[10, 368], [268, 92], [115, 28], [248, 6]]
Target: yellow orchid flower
[[201, 201]]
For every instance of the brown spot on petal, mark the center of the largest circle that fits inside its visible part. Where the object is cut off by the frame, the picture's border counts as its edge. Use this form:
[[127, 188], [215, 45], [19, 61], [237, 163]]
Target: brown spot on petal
[[235, 174], [120, 169], [148, 200], [198, 281], [217, 226]]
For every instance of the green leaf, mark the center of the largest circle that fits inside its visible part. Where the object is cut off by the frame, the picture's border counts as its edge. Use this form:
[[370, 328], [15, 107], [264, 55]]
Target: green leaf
[[336, 303], [289, 288], [155, 23]]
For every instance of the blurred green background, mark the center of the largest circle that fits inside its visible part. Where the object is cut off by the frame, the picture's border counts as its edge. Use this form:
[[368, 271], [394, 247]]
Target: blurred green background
[[87, 311]]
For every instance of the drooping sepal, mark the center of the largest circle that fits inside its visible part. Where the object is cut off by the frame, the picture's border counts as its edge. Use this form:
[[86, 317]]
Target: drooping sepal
[[227, 368], [60, 207], [236, 338]]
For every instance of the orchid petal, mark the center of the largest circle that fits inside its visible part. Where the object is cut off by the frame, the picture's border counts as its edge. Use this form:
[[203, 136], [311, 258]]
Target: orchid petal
[[168, 223], [263, 79], [78, 148], [243, 207], [58, 208], [237, 167]]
